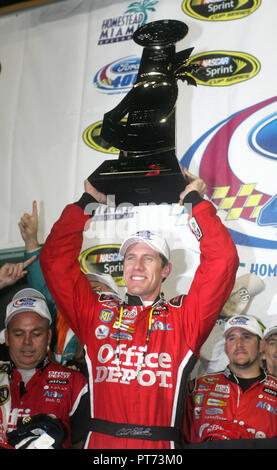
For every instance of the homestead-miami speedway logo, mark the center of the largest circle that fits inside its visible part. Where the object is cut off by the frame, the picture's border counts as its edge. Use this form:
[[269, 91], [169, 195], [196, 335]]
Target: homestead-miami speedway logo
[[121, 28], [237, 158]]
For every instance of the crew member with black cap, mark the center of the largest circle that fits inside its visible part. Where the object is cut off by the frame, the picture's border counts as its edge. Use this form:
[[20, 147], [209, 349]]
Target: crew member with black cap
[[140, 352], [35, 385]]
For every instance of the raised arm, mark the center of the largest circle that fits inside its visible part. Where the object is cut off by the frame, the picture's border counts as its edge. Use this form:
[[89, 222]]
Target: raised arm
[[61, 268], [28, 226], [215, 276]]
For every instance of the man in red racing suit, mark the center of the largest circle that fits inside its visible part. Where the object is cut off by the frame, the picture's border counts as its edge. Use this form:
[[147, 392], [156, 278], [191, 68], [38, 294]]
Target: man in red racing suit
[[239, 402], [134, 405], [219, 409], [53, 390]]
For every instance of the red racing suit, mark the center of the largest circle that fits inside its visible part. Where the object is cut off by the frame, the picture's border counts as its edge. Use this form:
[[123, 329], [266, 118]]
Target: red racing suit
[[145, 411], [53, 389], [218, 408]]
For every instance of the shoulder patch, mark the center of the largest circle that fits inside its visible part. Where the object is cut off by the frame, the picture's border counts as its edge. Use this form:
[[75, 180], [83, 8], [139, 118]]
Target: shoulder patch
[[195, 228], [176, 301], [4, 394], [113, 299]]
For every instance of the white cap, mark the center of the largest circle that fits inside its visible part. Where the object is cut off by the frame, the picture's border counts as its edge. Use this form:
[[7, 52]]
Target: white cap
[[245, 322], [271, 330], [106, 279], [245, 288], [27, 300], [154, 240]]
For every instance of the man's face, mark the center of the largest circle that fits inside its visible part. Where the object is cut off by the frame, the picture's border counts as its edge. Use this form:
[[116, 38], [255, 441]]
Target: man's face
[[242, 348], [143, 271], [270, 354], [27, 337]]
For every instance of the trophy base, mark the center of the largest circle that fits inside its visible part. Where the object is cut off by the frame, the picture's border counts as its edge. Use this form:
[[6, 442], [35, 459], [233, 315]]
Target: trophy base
[[141, 180]]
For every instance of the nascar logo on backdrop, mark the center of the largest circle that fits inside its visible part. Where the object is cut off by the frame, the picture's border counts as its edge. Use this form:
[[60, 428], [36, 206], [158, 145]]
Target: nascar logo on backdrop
[[103, 259], [224, 68], [92, 138], [245, 193], [216, 10]]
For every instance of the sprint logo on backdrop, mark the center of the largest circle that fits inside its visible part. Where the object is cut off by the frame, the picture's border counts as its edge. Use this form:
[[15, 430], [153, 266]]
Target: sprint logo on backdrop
[[121, 28], [219, 10], [224, 68], [92, 138]]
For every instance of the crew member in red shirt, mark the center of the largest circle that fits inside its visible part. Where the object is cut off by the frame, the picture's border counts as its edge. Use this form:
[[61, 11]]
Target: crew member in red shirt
[[32, 384], [239, 402]]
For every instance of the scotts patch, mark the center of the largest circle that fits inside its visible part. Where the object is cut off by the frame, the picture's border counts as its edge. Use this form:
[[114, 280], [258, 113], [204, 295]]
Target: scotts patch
[[103, 259], [224, 68], [216, 10], [92, 138]]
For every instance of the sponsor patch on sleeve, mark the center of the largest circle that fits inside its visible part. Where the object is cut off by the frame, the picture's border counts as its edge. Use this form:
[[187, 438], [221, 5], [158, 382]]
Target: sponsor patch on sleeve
[[176, 301], [195, 228]]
